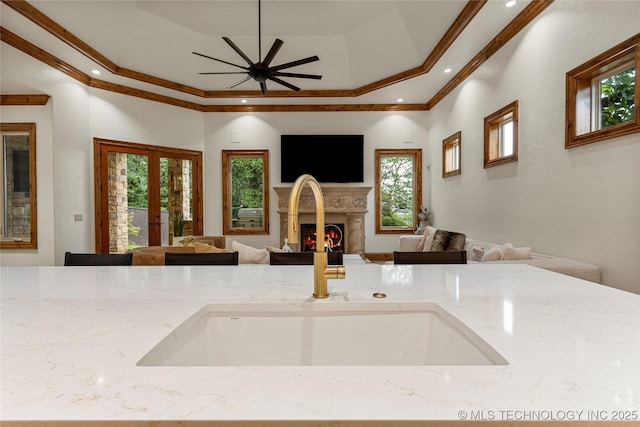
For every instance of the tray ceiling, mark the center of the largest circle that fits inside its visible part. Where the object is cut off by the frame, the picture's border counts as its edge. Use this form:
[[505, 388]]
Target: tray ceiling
[[360, 44]]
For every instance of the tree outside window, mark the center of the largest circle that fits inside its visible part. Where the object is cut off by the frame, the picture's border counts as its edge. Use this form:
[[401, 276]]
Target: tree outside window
[[617, 104]]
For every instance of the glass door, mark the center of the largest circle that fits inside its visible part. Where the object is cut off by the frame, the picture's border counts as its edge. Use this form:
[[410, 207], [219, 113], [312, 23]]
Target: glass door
[[145, 195]]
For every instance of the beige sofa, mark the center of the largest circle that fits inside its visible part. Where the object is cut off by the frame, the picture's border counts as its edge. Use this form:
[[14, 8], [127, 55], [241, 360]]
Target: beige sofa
[[154, 255], [476, 249]]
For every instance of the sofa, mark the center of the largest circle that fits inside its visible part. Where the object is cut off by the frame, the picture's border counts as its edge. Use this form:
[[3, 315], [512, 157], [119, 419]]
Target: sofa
[[487, 252]]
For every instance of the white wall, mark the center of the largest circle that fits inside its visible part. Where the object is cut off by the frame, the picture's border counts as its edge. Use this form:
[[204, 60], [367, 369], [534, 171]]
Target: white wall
[[582, 203], [263, 130]]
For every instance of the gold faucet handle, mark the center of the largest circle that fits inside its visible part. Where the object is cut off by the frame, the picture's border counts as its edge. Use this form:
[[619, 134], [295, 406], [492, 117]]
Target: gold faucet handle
[[335, 272]]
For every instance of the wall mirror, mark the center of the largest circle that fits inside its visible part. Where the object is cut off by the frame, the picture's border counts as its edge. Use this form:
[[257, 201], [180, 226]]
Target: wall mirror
[[245, 191], [398, 190], [451, 155], [18, 226]]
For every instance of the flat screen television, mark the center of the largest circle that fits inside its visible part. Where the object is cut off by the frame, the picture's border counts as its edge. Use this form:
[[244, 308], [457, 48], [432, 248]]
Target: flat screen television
[[329, 158]]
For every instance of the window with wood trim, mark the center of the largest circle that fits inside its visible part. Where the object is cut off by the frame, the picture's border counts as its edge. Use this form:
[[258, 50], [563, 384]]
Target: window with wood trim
[[398, 190], [602, 95], [501, 136], [451, 155], [245, 192]]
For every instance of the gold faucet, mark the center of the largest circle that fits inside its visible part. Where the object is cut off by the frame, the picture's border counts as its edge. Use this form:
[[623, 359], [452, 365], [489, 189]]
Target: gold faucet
[[321, 272]]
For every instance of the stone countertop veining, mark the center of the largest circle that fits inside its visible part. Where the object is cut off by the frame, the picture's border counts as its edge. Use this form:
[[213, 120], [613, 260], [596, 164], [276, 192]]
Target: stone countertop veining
[[71, 338]]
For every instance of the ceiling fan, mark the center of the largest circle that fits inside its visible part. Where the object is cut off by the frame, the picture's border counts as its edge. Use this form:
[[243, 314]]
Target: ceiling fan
[[261, 71]]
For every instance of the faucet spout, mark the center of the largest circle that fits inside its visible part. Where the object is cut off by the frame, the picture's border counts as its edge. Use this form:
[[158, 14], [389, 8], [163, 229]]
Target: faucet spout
[[321, 272]]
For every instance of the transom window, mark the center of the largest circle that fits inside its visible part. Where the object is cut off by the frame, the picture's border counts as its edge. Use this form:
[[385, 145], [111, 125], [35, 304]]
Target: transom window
[[451, 155], [602, 95], [501, 136]]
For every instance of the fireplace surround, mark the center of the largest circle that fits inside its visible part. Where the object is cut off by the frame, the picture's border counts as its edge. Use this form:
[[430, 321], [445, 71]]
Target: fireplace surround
[[342, 205]]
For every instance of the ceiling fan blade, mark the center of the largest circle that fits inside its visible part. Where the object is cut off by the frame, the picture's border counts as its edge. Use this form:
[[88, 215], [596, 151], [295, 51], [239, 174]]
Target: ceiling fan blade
[[237, 49], [227, 72], [220, 60], [301, 76], [263, 87], [275, 47], [239, 82], [295, 63], [283, 83]]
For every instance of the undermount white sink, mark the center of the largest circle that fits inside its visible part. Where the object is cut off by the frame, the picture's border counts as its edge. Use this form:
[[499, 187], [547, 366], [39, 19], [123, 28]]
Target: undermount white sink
[[325, 334]]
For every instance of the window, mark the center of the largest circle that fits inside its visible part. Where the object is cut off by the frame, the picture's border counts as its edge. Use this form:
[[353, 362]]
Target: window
[[602, 96], [398, 190], [501, 136], [245, 191], [18, 215], [451, 155]]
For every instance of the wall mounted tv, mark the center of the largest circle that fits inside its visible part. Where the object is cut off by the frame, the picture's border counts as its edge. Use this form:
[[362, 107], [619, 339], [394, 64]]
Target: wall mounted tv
[[329, 158]]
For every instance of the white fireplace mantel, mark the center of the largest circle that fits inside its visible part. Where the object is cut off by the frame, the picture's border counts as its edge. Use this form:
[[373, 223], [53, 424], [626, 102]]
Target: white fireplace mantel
[[342, 204]]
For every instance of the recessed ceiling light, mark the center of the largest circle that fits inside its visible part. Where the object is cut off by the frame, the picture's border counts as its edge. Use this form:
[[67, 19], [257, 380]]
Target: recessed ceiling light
[[400, 99], [96, 72], [510, 3], [244, 101], [447, 70]]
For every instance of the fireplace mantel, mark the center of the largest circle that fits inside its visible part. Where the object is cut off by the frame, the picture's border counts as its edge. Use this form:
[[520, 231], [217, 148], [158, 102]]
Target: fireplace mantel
[[345, 205]]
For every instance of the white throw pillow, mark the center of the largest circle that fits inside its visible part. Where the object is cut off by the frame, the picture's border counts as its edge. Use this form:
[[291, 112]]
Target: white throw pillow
[[250, 255], [429, 234], [511, 253], [492, 254], [425, 233]]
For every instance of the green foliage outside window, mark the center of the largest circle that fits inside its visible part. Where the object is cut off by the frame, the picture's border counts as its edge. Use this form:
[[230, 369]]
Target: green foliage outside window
[[617, 98], [396, 191], [246, 183], [138, 184]]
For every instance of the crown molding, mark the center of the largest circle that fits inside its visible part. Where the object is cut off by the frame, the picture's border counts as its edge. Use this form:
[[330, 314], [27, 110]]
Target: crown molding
[[464, 18], [24, 99]]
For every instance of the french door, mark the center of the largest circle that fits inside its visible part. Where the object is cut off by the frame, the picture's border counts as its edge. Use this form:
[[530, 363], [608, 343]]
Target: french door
[[145, 195]]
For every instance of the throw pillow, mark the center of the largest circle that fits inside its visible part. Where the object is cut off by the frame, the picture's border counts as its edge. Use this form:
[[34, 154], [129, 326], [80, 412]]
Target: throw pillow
[[511, 253], [447, 241], [427, 238], [274, 249], [207, 248], [250, 255], [492, 254]]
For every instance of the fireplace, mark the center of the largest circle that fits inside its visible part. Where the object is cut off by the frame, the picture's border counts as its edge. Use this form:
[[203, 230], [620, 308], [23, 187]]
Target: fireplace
[[343, 205], [333, 237]]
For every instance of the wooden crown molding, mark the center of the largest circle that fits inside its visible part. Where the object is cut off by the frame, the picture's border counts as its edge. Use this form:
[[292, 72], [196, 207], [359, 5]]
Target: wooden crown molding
[[527, 15], [464, 18], [25, 99]]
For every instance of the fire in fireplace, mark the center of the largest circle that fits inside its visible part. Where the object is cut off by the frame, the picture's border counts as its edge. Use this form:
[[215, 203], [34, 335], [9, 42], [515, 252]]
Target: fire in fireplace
[[333, 237]]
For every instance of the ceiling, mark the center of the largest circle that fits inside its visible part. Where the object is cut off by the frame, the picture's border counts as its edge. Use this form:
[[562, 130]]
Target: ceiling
[[366, 48]]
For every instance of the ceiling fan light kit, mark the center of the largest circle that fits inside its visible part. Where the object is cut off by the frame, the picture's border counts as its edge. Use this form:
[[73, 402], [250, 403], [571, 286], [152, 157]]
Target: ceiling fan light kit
[[261, 71]]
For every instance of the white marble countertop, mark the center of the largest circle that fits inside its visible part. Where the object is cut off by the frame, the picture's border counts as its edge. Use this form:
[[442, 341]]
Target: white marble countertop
[[71, 337]]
